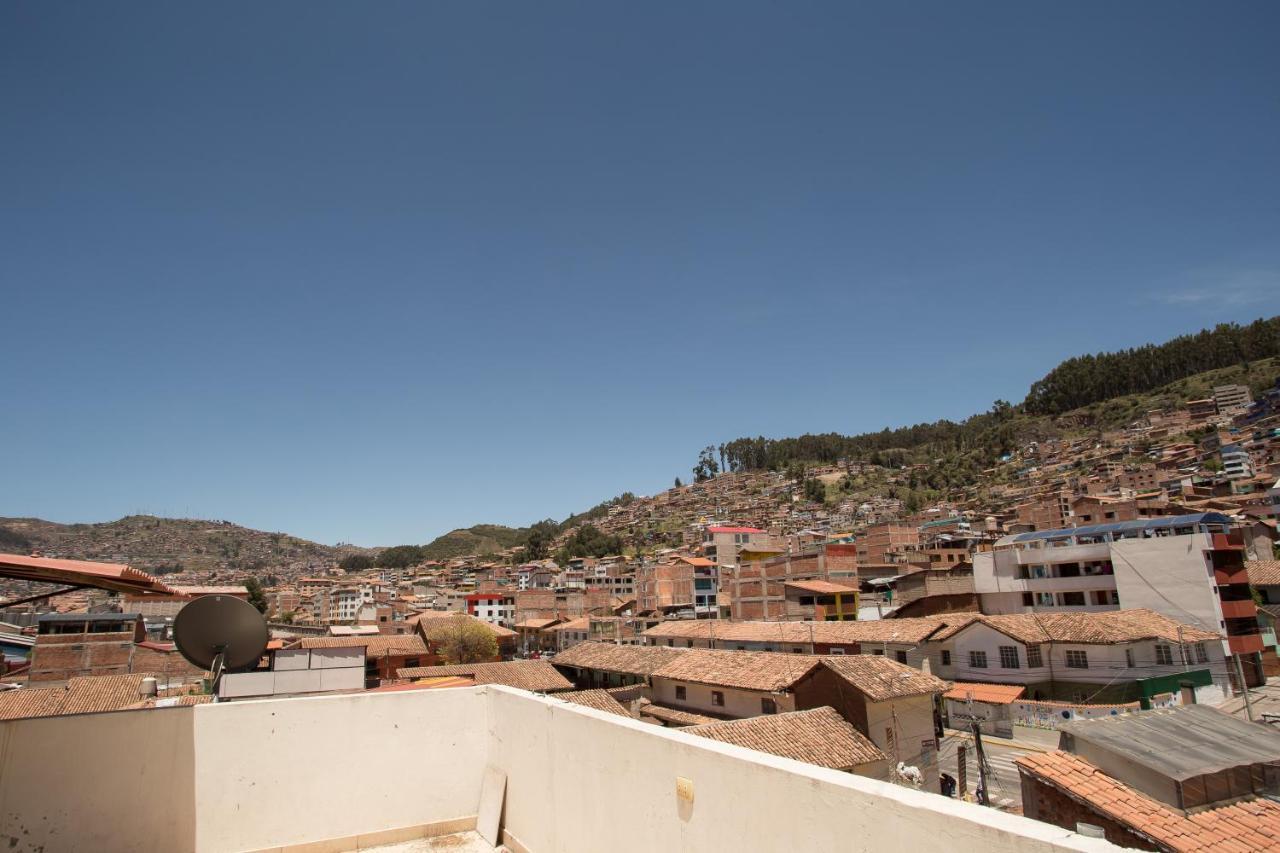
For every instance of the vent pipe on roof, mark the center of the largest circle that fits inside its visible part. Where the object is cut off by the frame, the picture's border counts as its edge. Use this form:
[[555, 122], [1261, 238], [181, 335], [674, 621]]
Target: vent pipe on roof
[[147, 689]]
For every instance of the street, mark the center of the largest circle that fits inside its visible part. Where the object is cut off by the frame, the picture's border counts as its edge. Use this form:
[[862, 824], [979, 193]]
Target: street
[[1006, 788]]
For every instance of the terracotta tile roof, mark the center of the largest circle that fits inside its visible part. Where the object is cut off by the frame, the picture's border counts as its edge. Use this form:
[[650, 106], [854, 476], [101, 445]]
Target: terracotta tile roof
[[85, 694], [675, 716], [426, 617], [535, 675], [1104, 628], [821, 587], [882, 679], [770, 671], [992, 694], [910, 631], [819, 736], [601, 700], [582, 623], [1263, 572], [31, 702], [536, 624], [113, 576], [424, 684], [1252, 825], [697, 562], [627, 660], [373, 645]]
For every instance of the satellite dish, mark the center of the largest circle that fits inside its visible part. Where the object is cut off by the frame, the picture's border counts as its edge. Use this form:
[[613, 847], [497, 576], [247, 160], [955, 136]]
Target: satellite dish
[[220, 633]]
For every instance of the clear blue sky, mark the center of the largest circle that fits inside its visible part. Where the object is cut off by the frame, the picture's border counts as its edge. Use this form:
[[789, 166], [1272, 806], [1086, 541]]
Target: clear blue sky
[[369, 271]]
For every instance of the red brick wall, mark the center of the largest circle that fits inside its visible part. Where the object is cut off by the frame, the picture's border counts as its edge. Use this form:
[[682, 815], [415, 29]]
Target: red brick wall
[[58, 657], [1048, 804]]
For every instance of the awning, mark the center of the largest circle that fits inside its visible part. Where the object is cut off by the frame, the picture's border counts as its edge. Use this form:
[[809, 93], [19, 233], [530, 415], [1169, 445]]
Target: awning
[[115, 577]]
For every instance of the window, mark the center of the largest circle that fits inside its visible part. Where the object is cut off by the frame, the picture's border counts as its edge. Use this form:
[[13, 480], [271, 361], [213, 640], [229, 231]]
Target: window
[[1028, 600], [680, 693], [689, 643], [1164, 655], [411, 662], [946, 658], [768, 706], [1202, 656], [1077, 659], [717, 698], [1033, 657], [1009, 657], [1073, 599], [878, 652], [900, 656], [1128, 658], [836, 651], [978, 660]]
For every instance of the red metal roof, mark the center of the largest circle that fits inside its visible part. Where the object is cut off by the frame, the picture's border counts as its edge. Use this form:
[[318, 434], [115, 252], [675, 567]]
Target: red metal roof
[[116, 577]]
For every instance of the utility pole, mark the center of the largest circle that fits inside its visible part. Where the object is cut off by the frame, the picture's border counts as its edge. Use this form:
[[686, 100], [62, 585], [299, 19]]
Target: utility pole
[[984, 796], [1244, 688]]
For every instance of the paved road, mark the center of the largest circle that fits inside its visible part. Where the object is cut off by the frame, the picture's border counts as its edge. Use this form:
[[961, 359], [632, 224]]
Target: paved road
[[1006, 788]]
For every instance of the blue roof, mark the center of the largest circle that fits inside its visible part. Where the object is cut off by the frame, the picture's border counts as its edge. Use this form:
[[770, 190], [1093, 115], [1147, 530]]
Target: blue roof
[[1138, 526]]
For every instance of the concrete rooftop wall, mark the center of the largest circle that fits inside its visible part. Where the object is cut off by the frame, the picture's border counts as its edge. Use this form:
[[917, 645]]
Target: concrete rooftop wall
[[274, 773]]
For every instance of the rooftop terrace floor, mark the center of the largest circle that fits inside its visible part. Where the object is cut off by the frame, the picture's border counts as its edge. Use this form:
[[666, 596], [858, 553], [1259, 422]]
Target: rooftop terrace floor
[[458, 842]]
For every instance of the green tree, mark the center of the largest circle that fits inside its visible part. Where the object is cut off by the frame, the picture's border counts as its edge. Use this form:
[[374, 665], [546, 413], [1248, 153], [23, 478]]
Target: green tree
[[538, 545], [678, 483], [256, 596], [355, 563], [400, 557], [461, 639], [707, 466]]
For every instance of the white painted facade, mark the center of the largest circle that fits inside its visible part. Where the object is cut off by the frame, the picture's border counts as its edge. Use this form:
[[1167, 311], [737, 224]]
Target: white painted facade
[[979, 643], [699, 698], [571, 772]]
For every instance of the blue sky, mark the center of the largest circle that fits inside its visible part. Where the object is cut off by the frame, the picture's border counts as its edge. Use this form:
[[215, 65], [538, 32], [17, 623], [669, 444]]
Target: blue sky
[[367, 272]]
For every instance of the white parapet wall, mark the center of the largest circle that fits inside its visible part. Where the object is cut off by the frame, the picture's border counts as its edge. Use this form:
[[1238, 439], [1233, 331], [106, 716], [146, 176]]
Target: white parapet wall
[[584, 780], [356, 769]]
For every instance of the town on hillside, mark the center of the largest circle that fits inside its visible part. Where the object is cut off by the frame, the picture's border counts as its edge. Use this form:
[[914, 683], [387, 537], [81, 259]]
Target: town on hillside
[[1085, 636]]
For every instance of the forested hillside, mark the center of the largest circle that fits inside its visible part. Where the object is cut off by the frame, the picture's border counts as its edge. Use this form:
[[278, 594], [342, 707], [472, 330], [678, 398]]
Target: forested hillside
[[1087, 379], [1075, 391]]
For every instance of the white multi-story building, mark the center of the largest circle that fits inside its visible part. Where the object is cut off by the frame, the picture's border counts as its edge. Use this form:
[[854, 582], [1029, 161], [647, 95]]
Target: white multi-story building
[[1189, 568], [344, 604], [494, 606], [1236, 463]]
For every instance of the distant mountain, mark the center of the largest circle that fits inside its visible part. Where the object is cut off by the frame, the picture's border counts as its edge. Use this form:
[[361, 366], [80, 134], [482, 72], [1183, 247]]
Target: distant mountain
[[478, 540], [166, 545]]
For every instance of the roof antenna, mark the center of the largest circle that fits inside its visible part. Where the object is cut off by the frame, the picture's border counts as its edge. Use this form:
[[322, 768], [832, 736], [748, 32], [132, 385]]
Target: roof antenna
[[220, 633]]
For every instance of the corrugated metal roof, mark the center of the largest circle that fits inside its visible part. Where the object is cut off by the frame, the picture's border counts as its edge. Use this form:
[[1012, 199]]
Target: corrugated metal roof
[[1182, 742]]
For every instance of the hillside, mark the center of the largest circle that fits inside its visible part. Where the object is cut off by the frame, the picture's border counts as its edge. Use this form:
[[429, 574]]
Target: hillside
[[165, 545], [479, 540]]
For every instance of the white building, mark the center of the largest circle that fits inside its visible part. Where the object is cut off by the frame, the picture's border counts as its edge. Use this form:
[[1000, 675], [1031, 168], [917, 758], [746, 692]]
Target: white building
[[1119, 656], [344, 604], [1189, 568]]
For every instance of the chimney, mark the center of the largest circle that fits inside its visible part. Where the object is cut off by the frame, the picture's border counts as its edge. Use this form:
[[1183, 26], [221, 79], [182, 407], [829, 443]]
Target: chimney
[[147, 689]]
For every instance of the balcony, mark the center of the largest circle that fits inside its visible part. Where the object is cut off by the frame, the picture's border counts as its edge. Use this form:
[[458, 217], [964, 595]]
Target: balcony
[[1243, 609], [1079, 583], [1245, 644], [1095, 552], [1234, 574], [357, 770]]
